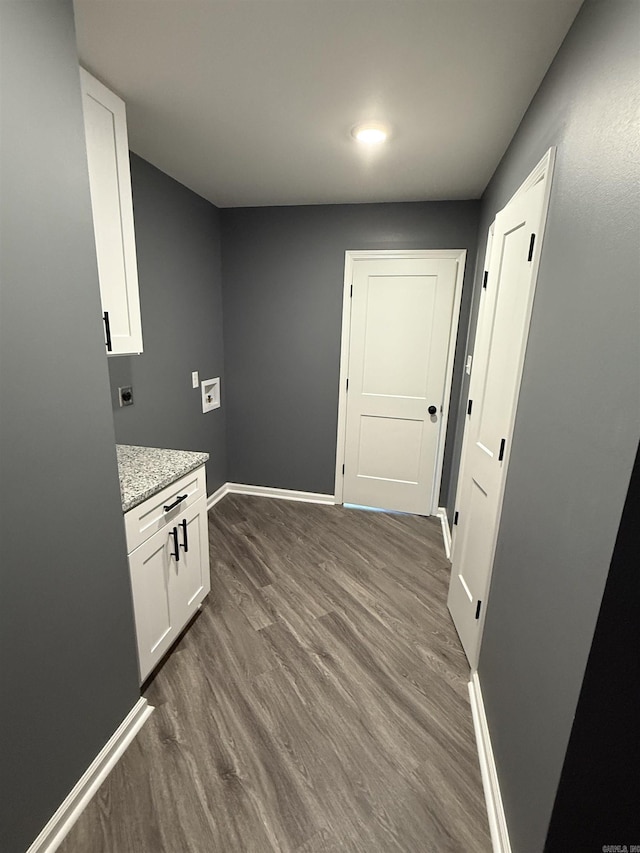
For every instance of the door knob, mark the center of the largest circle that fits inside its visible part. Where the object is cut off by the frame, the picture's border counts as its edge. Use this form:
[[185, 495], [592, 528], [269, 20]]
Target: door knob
[[432, 410]]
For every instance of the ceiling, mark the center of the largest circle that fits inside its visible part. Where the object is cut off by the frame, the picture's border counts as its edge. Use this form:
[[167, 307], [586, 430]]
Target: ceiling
[[251, 102]]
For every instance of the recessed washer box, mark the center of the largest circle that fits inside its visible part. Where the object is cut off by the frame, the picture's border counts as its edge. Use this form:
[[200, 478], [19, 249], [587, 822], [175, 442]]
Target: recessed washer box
[[210, 394]]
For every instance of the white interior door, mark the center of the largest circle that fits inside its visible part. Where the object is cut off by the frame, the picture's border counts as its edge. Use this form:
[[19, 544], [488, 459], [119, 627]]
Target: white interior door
[[503, 325], [402, 312]]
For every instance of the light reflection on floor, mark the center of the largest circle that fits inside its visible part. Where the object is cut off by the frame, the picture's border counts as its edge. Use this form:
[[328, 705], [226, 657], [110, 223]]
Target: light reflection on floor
[[375, 509]]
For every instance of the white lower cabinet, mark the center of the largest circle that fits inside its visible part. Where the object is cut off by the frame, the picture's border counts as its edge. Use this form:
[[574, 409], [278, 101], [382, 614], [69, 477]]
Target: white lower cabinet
[[169, 580]]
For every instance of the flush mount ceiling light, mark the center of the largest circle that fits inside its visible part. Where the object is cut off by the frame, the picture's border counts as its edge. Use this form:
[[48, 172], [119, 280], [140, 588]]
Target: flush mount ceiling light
[[371, 132]]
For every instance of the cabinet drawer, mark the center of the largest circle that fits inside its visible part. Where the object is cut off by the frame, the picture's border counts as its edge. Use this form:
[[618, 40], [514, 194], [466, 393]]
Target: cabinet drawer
[[147, 518]]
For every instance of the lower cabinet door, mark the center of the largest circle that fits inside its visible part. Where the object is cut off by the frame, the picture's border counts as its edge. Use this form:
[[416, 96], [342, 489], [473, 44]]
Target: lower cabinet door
[[152, 567], [191, 581], [167, 589]]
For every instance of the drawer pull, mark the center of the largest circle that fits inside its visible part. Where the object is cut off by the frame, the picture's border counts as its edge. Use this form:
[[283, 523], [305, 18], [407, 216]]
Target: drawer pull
[[174, 533], [178, 500], [185, 537]]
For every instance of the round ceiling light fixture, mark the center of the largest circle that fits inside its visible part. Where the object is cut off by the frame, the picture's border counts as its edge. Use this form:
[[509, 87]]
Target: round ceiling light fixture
[[371, 132]]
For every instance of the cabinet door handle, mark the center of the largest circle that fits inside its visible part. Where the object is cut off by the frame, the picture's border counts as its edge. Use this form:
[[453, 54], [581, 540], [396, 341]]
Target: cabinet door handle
[[185, 537], [174, 533], [107, 330], [178, 500]]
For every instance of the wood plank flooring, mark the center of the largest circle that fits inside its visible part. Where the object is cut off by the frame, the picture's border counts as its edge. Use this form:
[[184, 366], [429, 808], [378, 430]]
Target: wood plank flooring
[[318, 702]]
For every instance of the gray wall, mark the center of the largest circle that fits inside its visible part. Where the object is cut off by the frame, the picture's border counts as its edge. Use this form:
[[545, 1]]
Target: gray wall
[[579, 414], [178, 247], [283, 273], [68, 660]]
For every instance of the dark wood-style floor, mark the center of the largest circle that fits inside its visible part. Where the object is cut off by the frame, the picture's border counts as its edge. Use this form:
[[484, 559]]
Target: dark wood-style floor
[[318, 703]]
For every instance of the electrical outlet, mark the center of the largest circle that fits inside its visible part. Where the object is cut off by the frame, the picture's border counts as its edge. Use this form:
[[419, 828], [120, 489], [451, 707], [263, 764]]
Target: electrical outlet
[[195, 379], [125, 395]]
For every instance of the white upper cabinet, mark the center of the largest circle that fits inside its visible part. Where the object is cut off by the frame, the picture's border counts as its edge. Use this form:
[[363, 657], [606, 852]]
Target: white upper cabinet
[[110, 183]]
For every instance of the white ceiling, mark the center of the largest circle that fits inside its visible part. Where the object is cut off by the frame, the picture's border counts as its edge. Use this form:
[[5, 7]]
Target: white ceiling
[[251, 102]]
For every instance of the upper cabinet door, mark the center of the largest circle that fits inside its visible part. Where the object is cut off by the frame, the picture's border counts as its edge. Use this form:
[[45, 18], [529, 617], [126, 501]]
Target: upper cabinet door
[[111, 202]]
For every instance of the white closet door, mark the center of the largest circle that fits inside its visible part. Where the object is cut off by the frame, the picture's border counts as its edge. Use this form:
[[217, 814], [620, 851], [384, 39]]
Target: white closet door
[[401, 317], [503, 325]]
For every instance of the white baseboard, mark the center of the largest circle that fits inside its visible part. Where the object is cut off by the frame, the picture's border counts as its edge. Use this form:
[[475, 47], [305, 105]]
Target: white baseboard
[[268, 492], [493, 798], [68, 813], [213, 499], [446, 530]]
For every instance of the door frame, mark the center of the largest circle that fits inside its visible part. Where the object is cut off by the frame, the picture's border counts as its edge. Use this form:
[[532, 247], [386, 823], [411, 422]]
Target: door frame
[[543, 171], [351, 258], [464, 403]]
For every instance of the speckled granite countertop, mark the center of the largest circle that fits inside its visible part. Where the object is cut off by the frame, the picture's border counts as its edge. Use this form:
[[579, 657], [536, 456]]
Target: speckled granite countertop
[[146, 470]]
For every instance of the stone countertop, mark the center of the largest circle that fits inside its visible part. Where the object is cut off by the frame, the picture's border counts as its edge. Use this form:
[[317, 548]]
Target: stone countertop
[[144, 471]]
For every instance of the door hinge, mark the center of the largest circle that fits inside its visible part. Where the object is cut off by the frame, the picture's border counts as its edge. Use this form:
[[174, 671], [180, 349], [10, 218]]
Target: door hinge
[[351, 292], [531, 245], [478, 606], [347, 383], [456, 515], [469, 407], [501, 454], [484, 280], [343, 470]]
